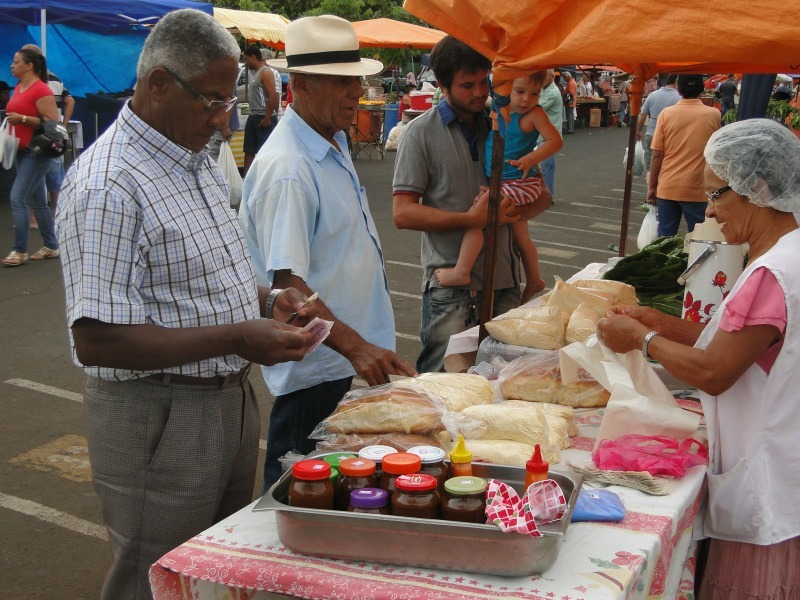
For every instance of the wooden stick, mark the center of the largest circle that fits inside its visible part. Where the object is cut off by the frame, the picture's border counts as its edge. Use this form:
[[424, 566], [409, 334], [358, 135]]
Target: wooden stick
[[490, 240]]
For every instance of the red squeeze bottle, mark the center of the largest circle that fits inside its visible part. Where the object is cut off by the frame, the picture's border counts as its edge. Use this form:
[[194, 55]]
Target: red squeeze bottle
[[536, 468]]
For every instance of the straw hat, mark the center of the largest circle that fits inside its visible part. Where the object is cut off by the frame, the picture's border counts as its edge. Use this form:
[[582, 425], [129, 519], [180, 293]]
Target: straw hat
[[324, 45]]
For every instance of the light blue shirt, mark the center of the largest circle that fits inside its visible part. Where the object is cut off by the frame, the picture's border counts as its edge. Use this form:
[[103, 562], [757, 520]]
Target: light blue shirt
[[303, 209], [662, 98]]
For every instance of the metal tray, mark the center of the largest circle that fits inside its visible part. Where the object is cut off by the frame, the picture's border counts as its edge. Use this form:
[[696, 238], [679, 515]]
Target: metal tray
[[431, 543]]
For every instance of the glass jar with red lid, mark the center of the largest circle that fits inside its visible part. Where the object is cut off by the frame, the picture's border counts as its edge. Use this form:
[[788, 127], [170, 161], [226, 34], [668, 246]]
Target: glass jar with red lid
[[370, 501], [394, 465], [354, 474], [416, 496], [464, 500], [432, 463], [311, 486]]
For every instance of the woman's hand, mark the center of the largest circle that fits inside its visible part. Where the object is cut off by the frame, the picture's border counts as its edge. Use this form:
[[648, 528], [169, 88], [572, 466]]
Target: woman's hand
[[621, 333], [16, 119], [649, 317]]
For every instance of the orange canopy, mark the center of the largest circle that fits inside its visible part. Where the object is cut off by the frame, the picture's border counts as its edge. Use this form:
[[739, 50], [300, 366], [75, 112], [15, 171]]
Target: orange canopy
[[642, 36], [387, 33]]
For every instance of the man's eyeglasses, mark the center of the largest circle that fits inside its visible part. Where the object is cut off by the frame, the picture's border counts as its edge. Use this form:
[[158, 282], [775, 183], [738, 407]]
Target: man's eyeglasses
[[712, 196], [211, 105]]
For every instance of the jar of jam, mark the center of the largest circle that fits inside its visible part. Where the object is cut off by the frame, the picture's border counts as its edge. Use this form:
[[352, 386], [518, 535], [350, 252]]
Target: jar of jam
[[369, 500], [376, 453], [311, 486], [394, 465], [354, 474], [333, 460], [432, 463], [416, 496], [464, 500]]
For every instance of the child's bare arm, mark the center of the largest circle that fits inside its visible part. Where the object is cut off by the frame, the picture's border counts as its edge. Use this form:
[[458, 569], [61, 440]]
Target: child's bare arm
[[536, 120]]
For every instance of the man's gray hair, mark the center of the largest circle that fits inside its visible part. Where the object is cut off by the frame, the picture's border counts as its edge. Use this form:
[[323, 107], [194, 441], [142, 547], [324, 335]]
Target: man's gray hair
[[186, 42]]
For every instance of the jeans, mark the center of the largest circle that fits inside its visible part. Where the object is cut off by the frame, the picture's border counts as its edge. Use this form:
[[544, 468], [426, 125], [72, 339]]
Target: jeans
[[29, 190], [670, 211], [294, 416], [570, 110], [55, 174], [726, 105], [548, 166], [447, 311], [623, 112]]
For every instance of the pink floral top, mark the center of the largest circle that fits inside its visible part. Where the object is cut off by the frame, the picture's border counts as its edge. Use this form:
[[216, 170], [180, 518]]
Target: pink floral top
[[760, 301]]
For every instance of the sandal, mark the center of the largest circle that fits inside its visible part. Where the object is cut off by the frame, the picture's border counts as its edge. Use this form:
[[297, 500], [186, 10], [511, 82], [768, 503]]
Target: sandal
[[45, 252], [15, 259]]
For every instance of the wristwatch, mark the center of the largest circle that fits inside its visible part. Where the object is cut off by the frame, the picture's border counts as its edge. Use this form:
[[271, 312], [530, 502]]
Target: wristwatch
[[24, 118], [270, 303], [646, 342]]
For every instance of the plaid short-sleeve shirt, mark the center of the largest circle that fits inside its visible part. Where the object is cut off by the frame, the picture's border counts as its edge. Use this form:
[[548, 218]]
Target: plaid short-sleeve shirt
[[147, 237]]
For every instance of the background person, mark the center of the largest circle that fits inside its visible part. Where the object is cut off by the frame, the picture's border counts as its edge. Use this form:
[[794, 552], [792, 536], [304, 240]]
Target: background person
[[31, 104], [263, 100], [744, 361], [676, 174], [550, 101], [405, 101], [307, 222], [163, 307], [655, 102], [438, 171], [522, 182], [570, 99], [728, 91]]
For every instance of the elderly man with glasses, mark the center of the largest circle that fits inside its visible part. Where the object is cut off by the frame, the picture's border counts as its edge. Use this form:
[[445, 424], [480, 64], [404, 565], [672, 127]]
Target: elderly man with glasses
[[163, 307]]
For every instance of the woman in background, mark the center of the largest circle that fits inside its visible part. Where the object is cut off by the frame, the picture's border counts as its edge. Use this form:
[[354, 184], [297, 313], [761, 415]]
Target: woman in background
[[31, 104]]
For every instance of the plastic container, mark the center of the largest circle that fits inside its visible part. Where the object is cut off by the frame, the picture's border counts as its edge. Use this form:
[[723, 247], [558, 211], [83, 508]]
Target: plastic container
[[354, 474], [394, 465], [464, 500], [374, 501], [311, 486], [536, 469], [416, 496], [432, 463], [460, 460], [390, 119], [421, 100]]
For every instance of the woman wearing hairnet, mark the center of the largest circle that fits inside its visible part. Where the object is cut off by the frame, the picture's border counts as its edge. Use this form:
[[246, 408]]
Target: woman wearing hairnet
[[745, 363]]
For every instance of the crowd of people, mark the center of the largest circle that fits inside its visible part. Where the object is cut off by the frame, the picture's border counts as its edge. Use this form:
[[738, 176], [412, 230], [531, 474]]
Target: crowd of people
[[171, 297]]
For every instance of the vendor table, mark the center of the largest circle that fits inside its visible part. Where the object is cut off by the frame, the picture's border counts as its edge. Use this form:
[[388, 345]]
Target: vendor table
[[582, 106], [650, 554], [366, 132]]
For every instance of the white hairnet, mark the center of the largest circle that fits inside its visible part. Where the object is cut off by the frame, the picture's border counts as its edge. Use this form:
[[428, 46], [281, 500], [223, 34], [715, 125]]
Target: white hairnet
[[760, 159]]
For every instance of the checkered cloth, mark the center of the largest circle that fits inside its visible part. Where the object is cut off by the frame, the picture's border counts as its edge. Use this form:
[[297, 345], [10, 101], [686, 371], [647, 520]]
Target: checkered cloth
[[543, 502]]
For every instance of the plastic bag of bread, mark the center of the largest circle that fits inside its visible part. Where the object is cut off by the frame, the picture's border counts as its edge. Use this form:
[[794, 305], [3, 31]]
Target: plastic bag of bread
[[401, 407], [540, 327], [557, 411], [567, 297], [623, 293], [353, 442], [506, 452], [457, 390], [537, 378], [582, 323]]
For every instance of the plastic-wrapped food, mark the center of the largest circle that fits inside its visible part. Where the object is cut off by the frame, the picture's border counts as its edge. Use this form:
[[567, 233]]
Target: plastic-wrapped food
[[623, 293], [567, 297], [537, 378], [540, 327], [353, 442], [504, 452], [582, 323], [395, 407], [457, 390]]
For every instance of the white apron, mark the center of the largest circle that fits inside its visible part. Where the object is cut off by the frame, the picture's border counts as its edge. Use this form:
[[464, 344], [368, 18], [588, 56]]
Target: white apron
[[754, 428]]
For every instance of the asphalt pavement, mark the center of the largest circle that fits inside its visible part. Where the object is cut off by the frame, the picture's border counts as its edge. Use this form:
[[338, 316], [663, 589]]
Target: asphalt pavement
[[51, 529]]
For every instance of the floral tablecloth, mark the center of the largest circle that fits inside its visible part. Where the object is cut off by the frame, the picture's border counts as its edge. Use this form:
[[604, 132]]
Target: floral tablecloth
[[650, 554]]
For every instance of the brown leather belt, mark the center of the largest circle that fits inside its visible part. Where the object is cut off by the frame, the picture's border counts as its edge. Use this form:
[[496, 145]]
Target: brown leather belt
[[215, 381]]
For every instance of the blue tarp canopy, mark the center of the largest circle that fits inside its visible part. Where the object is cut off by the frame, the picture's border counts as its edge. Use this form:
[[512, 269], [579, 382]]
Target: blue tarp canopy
[[92, 46]]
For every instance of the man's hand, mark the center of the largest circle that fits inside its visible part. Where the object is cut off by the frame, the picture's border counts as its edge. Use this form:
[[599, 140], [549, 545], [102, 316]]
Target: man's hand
[[374, 364], [651, 197], [227, 134], [291, 300], [479, 211], [268, 342], [265, 122], [639, 135]]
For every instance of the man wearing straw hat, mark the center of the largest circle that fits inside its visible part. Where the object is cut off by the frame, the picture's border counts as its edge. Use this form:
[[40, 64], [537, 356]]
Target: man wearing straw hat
[[308, 225]]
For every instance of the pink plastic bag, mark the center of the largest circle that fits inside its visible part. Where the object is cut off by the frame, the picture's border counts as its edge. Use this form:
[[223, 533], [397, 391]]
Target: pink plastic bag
[[656, 454]]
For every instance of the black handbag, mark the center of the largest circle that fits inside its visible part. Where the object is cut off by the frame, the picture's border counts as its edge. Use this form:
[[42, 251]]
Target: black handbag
[[568, 99], [50, 141]]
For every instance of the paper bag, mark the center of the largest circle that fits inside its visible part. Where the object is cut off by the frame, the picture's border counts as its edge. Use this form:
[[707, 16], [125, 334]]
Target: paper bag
[[639, 403]]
